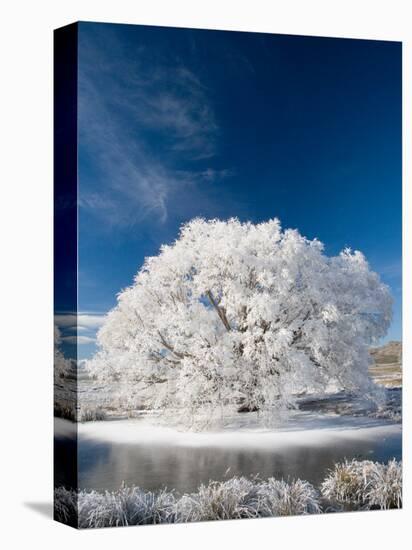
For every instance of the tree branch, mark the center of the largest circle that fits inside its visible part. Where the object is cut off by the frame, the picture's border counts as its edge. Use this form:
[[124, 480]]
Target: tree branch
[[220, 310], [297, 334], [170, 347]]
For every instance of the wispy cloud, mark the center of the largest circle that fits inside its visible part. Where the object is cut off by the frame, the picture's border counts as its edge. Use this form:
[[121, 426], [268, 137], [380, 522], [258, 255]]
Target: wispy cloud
[[139, 120], [129, 185], [174, 102]]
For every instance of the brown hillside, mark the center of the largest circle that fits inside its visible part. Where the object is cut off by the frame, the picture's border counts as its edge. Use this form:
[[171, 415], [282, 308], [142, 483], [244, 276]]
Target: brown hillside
[[387, 369]]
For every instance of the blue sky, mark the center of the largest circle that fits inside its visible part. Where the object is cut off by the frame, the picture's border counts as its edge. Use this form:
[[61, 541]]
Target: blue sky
[[177, 123]]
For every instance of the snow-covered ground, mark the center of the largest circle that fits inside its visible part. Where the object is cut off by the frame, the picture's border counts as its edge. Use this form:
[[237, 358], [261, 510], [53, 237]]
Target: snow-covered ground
[[244, 430]]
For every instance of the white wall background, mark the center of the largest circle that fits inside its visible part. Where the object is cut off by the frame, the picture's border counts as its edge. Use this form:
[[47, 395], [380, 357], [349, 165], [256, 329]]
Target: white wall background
[[26, 267]]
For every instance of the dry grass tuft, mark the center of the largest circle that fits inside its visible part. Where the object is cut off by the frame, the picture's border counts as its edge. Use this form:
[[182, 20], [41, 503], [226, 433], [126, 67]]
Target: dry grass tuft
[[365, 483]]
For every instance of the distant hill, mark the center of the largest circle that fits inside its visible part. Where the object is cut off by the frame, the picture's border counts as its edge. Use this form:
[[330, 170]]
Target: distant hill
[[387, 369]]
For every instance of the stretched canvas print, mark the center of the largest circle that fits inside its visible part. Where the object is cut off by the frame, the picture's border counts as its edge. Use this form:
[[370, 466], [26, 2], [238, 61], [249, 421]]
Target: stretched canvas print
[[227, 275]]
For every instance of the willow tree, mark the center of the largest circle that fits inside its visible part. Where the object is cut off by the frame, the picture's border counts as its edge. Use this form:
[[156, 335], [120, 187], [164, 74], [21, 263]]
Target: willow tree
[[243, 316]]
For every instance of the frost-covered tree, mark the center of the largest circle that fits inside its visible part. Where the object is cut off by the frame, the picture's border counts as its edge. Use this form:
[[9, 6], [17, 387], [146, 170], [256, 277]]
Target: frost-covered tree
[[243, 315], [62, 365]]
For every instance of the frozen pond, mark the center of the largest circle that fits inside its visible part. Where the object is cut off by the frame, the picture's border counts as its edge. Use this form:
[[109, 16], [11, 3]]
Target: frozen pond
[[137, 452]]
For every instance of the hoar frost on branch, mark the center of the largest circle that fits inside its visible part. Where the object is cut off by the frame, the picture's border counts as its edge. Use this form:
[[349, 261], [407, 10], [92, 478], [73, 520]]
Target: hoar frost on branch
[[243, 315]]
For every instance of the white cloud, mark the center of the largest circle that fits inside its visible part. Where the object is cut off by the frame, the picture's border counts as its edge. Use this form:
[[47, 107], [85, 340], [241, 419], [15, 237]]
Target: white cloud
[[84, 321], [91, 321], [79, 339]]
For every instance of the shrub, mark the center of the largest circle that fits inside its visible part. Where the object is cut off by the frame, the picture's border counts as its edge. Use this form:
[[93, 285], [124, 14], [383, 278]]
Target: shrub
[[289, 499], [127, 506], [365, 483], [235, 498], [65, 506], [91, 414], [385, 491]]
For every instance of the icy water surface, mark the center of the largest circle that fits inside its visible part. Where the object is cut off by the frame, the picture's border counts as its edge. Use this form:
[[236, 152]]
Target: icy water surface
[[137, 453]]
